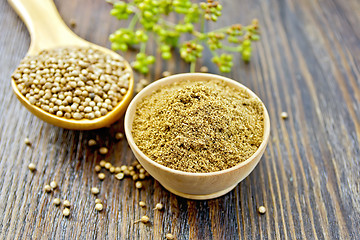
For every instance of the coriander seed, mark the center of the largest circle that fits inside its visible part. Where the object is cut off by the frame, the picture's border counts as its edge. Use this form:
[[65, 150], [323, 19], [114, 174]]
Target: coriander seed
[[98, 200], [123, 167], [117, 169], [142, 204], [112, 169], [66, 212], [284, 115], [95, 190], [27, 141], [144, 219], [169, 236], [91, 142], [134, 163], [69, 82], [166, 73], [47, 188], [141, 170], [135, 177], [204, 69], [138, 184], [72, 23], [97, 168], [53, 185], [101, 176], [119, 136], [119, 176], [158, 206], [99, 207], [103, 150], [66, 203], [108, 165], [130, 168], [262, 210], [141, 176], [32, 167], [56, 201], [102, 163]]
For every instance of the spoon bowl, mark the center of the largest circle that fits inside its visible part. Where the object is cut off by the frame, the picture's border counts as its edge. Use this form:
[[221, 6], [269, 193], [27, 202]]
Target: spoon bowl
[[199, 186], [48, 31]]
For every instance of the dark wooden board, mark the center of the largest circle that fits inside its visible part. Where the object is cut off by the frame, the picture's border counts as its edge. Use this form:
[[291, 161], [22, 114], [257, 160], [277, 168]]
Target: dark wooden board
[[307, 63]]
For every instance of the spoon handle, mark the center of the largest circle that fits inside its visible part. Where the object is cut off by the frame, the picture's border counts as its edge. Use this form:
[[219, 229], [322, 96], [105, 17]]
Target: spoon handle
[[46, 27]]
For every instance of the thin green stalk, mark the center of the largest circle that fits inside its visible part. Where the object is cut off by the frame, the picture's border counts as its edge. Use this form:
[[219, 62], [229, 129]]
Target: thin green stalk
[[231, 49], [213, 53], [142, 47], [133, 22], [192, 66], [202, 25]]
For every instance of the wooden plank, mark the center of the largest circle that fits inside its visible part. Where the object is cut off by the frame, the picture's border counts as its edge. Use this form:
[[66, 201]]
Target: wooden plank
[[307, 63]]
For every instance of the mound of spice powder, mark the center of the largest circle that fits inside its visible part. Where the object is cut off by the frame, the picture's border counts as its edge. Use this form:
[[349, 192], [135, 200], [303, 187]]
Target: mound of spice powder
[[73, 82], [199, 126]]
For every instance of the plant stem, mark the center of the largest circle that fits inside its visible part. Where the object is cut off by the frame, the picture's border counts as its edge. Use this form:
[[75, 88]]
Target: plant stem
[[213, 53], [202, 23], [192, 66], [142, 47], [231, 49], [133, 22]]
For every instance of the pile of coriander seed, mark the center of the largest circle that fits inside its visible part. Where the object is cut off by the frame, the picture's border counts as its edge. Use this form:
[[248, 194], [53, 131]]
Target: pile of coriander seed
[[75, 83]]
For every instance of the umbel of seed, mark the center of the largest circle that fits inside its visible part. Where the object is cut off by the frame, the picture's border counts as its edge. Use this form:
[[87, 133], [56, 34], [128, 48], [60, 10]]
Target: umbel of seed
[[73, 83]]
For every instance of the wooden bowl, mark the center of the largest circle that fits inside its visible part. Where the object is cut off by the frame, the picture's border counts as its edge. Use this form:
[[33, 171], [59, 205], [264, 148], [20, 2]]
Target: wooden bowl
[[198, 186]]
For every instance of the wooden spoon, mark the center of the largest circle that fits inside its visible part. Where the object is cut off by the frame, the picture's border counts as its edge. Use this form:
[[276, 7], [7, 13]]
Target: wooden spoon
[[48, 31]]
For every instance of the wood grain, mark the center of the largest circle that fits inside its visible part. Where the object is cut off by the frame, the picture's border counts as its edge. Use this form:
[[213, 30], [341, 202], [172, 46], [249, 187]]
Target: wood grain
[[307, 63]]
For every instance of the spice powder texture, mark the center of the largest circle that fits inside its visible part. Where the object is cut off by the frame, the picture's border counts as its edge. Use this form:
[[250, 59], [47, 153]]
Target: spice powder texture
[[199, 126]]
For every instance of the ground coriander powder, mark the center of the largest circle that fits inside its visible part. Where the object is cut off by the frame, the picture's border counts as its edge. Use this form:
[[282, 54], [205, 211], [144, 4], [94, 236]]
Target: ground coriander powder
[[199, 126]]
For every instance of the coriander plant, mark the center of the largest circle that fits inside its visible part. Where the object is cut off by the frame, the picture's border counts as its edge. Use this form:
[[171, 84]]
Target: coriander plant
[[149, 17]]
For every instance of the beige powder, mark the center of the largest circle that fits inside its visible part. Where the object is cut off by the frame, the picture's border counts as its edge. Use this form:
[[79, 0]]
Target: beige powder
[[199, 126]]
